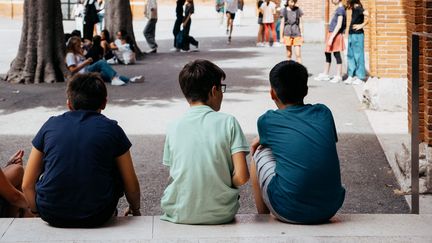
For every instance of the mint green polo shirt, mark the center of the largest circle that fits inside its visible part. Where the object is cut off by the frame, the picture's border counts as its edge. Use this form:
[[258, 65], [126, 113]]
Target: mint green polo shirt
[[198, 151]]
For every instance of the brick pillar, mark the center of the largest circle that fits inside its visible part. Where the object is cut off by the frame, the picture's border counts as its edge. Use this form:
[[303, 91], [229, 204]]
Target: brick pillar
[[420, 20]]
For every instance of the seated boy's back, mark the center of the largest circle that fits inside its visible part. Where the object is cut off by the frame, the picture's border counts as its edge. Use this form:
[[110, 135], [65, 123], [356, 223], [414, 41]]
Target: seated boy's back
[[296, 172], [303, 142], [202, 150]]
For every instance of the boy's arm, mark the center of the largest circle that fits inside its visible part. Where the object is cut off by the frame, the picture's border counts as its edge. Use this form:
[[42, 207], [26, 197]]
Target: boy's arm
[[130, 182], [10, 193], [241, 172], [31, 175]]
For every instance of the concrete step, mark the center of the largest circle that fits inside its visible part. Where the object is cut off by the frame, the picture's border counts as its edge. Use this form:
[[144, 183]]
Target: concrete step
[[246, 228]]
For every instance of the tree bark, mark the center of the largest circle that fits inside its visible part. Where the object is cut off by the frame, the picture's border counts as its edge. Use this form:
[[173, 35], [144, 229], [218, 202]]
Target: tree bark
[[41, 53], [118, 16]]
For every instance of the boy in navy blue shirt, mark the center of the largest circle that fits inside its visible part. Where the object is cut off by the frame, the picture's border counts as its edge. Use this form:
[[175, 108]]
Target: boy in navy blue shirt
[[295, 169], [80, 164]]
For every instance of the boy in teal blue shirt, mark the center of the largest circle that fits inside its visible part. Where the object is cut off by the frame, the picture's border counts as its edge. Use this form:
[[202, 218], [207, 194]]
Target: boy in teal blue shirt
[[205, 151], [295, 171]]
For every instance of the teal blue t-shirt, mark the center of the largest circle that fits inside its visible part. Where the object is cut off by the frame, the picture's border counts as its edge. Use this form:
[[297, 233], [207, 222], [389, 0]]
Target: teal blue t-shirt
[[307, 186]]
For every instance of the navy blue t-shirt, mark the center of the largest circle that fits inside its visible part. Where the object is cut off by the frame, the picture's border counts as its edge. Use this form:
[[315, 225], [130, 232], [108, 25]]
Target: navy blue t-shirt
[[80, 176], [307, 186]]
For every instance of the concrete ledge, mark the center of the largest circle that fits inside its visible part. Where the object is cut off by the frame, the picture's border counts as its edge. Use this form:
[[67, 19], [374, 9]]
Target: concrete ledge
[[246, 228]]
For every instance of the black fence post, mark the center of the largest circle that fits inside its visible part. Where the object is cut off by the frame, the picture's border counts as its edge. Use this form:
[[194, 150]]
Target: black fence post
[[415, 141]]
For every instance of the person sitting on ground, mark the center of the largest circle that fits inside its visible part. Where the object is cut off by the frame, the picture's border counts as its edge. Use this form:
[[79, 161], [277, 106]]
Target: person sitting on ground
[[77, 63], [80, 163], [96, 52], [205, 151], [105, 44], [295, 170], [11, 197], [123, 48]]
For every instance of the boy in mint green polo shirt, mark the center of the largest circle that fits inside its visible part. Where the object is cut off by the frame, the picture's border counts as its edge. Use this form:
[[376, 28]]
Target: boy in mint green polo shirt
[[205, 151]]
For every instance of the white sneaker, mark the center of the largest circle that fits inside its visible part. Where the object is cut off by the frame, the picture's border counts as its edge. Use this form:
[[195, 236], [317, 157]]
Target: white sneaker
[[357, 81], [349, 80], [336, 79], [117, 82], [174, 49], [136, 78], [259, 44], [153, 50], [322, 77], [277, 44]]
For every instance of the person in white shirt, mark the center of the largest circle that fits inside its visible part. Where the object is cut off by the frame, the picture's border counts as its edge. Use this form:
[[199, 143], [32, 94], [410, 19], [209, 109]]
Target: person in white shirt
[[149, 31], [100, 7], [79, 15], [268, 9], [231, 9]]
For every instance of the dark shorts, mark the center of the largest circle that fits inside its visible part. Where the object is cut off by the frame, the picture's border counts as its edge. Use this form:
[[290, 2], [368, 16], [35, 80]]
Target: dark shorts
[[260, 19], [232, 15]]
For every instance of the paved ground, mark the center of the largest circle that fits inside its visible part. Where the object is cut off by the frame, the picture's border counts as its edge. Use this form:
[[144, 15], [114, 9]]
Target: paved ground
[[144, 109]]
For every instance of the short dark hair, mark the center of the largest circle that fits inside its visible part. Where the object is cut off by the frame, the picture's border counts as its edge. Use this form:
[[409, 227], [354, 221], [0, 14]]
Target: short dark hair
[[289, 80], [197, 79], [86, 91]]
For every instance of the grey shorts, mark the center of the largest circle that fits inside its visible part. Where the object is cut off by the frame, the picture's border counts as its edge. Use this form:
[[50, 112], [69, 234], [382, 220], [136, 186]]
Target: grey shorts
[[265, 166]]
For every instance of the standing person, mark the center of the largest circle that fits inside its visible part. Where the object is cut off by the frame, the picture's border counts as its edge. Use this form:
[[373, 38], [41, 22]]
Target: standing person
[[11, 197], [100, 7], [80, 164], [260, 36], [269, 10], [90, 19], [187, 39], [231, 10], [205, 151], [79, 15], [295, 170], [178, 22], [334, 43], [356, 63], [151, 13], [291, 30]]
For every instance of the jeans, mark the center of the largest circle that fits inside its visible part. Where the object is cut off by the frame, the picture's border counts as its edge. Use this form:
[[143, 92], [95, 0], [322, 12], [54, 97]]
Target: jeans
[[149, 33], [356, 63], [105, 70], [176, 29]]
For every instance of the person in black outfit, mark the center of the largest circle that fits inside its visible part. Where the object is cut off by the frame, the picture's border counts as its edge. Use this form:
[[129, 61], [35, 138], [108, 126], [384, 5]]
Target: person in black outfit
[[90, 19], [179, 21], [96, 52], [187, 39]]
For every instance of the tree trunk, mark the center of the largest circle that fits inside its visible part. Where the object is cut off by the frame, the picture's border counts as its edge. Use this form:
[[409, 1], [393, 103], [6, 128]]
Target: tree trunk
[[118, 16], [41, 50]]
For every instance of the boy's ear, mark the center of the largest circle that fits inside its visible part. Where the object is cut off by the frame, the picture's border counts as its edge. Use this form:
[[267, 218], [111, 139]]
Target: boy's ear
[[69, 105], [214, 90], [104, 104], [273, 94]]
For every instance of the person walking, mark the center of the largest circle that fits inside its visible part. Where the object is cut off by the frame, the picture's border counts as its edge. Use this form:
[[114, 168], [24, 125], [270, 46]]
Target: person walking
[[187, 39], [231, 9], [150, 29], [178, 22], [269, 10], [356, 63], [260, 36]]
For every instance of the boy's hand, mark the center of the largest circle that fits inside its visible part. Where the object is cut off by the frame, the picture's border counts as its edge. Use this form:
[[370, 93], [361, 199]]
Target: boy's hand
[[133, 212], [254, 145], [16, 158]]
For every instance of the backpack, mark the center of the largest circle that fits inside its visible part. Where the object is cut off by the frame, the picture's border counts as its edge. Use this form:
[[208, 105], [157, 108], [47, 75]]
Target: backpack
[[285, 15]]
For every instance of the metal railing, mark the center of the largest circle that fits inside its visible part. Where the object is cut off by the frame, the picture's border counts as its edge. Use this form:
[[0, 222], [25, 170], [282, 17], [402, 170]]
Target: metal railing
[[415, 140]]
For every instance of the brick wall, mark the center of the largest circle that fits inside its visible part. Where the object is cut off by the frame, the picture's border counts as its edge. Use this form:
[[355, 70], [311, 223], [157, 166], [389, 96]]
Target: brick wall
[[313, 9], [387, 38], [420, 20]]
